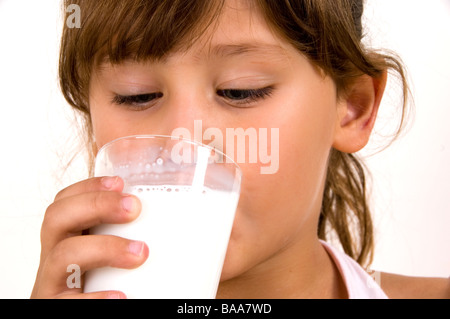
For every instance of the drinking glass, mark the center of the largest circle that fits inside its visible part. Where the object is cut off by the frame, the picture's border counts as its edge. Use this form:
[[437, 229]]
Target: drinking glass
[[189, 194]]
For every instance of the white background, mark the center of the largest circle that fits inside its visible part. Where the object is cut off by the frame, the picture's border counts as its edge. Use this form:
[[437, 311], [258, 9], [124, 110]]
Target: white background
[[411, 178]]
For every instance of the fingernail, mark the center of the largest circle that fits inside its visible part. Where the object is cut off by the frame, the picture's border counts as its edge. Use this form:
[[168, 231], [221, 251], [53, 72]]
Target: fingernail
[[109, 182], [116, 295], [128, 203], [136, 248]]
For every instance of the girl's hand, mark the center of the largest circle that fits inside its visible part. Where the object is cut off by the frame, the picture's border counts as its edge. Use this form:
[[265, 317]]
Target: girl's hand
[[76, 209]]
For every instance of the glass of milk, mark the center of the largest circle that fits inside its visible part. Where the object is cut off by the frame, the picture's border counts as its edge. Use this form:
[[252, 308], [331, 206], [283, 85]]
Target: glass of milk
[[189, 193]]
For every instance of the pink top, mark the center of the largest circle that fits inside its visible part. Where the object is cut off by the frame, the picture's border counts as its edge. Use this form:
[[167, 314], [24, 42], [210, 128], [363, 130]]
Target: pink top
[[360, 285]]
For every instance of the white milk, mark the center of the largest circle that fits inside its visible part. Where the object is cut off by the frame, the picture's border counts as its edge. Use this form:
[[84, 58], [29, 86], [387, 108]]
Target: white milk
[[187, 232]]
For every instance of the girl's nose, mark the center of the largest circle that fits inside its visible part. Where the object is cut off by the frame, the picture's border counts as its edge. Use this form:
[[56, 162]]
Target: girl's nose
[[183, 110]]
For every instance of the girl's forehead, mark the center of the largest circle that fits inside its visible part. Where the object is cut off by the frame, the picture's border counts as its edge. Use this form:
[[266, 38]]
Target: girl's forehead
[[239, 23]]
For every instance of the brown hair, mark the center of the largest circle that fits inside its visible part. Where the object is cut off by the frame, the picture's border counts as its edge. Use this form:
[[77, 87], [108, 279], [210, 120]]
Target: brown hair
[[328, 32]]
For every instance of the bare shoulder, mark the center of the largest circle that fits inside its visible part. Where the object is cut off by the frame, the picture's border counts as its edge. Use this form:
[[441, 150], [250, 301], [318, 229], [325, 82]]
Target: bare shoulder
[[403, 287]]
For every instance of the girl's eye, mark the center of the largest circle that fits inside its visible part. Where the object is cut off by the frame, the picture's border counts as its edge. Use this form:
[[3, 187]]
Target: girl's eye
[[238, 97], [136, 101], [242, 97]]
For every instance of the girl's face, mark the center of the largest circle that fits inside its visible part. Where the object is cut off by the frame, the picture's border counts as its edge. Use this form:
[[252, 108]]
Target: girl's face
[[240, 75]]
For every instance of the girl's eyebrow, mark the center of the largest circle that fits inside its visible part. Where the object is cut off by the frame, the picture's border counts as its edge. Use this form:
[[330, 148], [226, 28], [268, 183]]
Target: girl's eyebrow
[[231, 50]]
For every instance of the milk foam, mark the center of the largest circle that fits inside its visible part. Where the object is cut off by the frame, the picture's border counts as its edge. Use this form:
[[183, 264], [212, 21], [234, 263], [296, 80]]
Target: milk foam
[[187, 232]]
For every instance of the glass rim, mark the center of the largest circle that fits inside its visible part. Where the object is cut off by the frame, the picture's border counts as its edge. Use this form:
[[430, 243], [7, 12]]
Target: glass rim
[[173, 138]]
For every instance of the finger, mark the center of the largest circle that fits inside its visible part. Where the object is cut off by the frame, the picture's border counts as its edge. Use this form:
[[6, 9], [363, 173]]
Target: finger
[[88, 252], [71, 215], [94, 295], [95, 184]]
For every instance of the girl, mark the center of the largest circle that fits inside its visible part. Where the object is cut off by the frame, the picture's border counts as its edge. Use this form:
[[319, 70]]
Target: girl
[[149, 67]]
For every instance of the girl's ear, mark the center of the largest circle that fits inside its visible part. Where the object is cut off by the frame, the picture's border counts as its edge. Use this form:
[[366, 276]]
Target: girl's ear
[[357, 112]]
